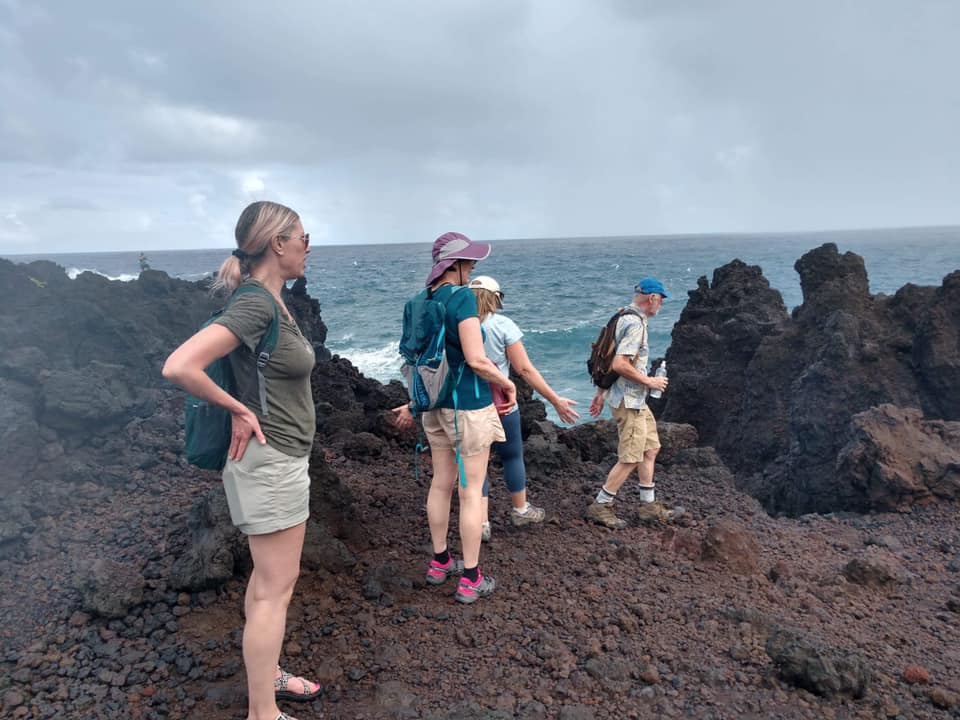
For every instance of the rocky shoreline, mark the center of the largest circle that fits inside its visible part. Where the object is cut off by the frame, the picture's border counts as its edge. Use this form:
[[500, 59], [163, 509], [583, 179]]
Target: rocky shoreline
[[815, 574]]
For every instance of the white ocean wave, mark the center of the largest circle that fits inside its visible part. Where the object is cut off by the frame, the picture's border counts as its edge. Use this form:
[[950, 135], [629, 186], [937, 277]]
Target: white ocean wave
[[552, 331], [73, 272], [382, 364]]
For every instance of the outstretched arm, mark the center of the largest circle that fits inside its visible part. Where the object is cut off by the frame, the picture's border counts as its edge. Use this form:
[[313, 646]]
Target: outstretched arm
[[524, 367]]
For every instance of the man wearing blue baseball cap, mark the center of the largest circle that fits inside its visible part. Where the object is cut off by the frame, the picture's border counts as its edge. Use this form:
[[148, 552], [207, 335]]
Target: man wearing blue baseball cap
[[638, 442]]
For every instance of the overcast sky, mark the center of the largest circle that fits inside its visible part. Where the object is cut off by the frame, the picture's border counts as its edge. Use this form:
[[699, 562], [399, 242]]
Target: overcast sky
[[132, 125]]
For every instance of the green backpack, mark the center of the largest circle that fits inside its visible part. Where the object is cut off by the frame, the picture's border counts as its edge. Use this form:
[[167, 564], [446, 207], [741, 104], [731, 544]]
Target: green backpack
[[208, 426]]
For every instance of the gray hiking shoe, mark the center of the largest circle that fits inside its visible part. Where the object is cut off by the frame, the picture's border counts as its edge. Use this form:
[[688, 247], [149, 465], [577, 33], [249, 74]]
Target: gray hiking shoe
[[533, 514], [657, 512], [602, 514], [469, 592], [437, 573]]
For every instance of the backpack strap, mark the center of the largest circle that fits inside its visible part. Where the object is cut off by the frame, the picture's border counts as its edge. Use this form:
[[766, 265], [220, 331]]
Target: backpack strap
[[267, 344], [630, 310], [456, 428]]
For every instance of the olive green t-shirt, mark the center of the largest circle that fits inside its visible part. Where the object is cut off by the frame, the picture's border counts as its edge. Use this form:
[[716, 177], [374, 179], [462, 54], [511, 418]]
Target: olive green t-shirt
[[291, 421]]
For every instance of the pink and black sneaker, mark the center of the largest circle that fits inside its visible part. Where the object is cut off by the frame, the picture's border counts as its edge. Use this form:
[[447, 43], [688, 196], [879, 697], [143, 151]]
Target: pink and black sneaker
[[469, 592], [437, 573]]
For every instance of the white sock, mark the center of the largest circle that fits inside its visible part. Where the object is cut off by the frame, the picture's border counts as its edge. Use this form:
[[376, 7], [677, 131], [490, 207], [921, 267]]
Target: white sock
[[524, 510], [604, 497], [646, 494]]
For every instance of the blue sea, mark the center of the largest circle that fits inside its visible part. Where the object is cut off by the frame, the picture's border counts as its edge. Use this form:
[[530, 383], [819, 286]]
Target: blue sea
[[559, 291]]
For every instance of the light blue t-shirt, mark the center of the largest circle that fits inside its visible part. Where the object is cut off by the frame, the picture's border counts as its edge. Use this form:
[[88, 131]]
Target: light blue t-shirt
[[499, 332]]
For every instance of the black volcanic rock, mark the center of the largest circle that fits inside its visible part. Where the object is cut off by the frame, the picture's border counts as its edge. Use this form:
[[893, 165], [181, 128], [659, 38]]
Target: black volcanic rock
[[533, 411], [109, 588], [775, 394], [84, 401], [307, 312], [718, 336], [345, 400], [216, 550], [655, 620], [936, 347], [819, 668]]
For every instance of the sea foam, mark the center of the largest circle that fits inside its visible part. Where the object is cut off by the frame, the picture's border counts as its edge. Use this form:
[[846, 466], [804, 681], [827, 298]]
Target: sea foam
[[73, 272]]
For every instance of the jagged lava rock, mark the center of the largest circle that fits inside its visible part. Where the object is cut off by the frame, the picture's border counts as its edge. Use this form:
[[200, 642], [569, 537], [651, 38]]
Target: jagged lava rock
[[775, 394]]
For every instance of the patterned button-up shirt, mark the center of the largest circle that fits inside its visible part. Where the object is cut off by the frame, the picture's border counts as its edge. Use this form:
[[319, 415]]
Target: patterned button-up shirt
[[631, 337]]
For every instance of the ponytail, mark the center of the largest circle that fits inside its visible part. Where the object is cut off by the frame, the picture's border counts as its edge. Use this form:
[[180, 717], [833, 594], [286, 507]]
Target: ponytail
[[229, 276], [257, 225]]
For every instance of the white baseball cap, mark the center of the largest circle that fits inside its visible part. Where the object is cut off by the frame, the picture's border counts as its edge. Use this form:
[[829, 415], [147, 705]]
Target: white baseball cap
[[486, 282]]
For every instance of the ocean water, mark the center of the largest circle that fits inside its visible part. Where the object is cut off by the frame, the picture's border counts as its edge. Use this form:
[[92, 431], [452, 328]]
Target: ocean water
[[559, 291]]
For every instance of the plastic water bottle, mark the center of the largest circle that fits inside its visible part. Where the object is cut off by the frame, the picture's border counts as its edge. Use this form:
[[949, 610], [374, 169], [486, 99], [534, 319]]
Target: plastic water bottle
[[661, 372]]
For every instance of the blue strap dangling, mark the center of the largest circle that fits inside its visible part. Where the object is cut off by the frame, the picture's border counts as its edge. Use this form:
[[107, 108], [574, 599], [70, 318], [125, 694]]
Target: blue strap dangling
[[456, 430]]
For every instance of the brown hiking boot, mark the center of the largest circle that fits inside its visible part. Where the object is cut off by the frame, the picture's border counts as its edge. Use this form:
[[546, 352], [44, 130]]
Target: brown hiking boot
[[602, 514], [656, 512]]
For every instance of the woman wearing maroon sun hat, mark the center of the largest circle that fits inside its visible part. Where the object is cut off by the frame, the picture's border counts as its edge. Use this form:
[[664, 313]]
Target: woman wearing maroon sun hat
[[465, 422]]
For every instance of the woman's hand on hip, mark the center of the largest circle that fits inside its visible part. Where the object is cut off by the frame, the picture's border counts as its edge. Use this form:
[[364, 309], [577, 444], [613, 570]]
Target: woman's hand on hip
[[243, 425]]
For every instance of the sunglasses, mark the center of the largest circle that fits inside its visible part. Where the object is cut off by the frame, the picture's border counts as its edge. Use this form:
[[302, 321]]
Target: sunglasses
[[305, 237]]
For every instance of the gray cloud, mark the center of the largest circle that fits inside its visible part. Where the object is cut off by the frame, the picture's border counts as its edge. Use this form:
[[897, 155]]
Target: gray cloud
[[133, 125]]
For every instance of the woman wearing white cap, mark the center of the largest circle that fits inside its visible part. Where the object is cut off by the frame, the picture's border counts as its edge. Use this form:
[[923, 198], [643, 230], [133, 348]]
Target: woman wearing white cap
[[465, 422], [502, 343]]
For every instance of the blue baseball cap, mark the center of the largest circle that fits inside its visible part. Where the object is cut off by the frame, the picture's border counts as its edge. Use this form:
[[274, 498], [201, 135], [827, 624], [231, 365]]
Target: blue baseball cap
[[650, 285]]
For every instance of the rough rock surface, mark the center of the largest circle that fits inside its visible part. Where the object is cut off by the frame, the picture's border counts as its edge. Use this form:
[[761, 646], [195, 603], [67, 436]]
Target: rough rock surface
[[874, 568], [216, 550], [109, 588], [822, 670], [776, 393], [730, 543], [895, 458], [587, 622]]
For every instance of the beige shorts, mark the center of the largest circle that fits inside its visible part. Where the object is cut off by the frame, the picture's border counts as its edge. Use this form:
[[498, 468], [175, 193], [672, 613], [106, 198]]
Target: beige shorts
[[267, 490], [637, 430], [478, 429]]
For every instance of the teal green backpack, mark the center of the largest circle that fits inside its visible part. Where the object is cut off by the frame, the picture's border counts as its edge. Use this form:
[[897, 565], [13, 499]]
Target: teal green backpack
[[208, 426]]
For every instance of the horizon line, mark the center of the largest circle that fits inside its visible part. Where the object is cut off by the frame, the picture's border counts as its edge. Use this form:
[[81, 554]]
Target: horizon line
[[724, 233]]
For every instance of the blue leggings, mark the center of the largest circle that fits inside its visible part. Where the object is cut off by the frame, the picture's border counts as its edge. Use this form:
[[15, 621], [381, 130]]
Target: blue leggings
[[511, 453]]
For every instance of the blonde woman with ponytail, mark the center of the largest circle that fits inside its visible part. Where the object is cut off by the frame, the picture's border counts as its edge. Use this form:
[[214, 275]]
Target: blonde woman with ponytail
[[265, 477]]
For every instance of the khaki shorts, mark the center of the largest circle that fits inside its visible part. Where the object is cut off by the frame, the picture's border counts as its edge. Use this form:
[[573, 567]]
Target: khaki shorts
[[638, 433], [267, 490], [478, 429]]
